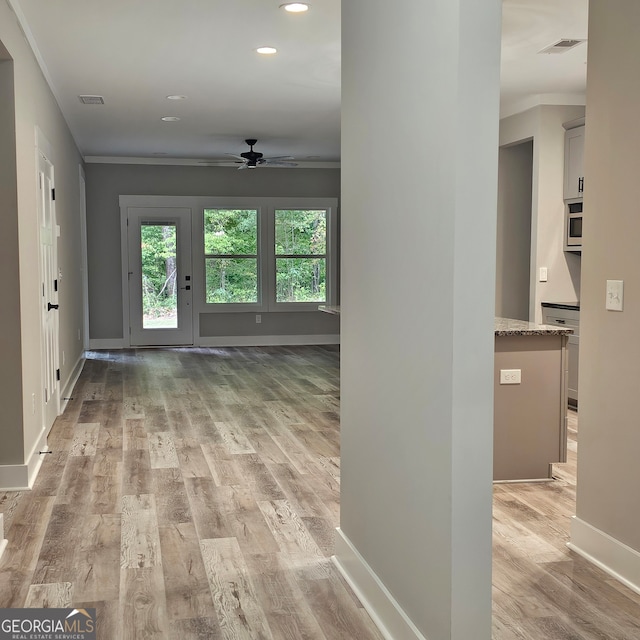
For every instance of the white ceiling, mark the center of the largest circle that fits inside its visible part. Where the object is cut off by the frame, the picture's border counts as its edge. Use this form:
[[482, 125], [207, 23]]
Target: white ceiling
[[134, 53]]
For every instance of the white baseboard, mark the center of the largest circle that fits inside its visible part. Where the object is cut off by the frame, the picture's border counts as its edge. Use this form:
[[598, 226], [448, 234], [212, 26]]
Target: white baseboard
[[3, 542], [107, 343], [20, 477], [71, 383], [607, 553], [267, 341], [387, 614], [235, 341]]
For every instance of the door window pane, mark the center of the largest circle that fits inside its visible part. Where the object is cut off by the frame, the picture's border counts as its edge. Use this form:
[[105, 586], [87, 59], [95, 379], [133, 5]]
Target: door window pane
[[158, 243]]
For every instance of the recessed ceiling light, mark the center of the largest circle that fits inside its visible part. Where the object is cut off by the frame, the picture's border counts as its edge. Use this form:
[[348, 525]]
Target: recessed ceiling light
[[295, 7], [176, 97], [267, 51], [170, 119]]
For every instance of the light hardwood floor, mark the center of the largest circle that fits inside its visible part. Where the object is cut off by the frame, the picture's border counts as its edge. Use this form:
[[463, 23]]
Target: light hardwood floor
[[194, 493]]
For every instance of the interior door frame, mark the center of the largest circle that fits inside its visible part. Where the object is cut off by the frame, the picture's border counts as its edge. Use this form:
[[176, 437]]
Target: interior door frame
[[152, 202]]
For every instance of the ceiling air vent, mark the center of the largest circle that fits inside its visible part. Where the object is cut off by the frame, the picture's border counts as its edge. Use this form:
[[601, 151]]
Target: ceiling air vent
[[561, 46], [91, 99]]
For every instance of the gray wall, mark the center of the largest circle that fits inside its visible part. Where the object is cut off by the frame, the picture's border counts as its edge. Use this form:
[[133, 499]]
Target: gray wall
[[608, 500], [544, 124], [106, 182], [35, 107], [513, 247], [418, 297], [11, 450]]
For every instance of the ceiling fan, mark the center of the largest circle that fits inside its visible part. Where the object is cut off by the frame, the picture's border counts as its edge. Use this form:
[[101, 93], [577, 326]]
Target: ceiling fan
[[252, 159]]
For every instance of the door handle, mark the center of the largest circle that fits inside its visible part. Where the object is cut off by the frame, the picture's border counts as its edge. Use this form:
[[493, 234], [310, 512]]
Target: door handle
[[51, 306], [188, 287]]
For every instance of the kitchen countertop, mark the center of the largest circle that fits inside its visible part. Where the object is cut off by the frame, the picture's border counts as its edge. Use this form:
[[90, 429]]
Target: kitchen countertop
[[574, 306], [511, 327], [335, 310]]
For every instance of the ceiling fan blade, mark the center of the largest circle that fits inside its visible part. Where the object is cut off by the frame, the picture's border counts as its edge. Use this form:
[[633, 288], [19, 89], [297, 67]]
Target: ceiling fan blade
[[278, 158], [244, 165], [280, 163]]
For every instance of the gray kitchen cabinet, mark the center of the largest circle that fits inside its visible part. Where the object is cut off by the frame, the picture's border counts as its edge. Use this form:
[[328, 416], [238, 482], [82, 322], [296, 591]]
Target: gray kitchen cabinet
[[574, 163], [567, 315]]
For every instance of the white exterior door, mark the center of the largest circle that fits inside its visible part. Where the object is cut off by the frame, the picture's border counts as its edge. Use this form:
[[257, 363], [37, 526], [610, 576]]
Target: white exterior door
[[49, 292], [159, 276]]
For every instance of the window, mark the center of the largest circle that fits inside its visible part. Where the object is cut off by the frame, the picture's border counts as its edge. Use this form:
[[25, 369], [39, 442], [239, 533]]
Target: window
[[231, 256], [300, 255]]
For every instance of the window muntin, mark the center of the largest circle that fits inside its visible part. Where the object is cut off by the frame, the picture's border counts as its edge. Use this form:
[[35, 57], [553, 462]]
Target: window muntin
[[300, 255], [231, 255]]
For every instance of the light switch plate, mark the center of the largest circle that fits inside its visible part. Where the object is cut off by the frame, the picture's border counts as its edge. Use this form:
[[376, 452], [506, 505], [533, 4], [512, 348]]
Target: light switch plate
[[615, 295], [543, 274]]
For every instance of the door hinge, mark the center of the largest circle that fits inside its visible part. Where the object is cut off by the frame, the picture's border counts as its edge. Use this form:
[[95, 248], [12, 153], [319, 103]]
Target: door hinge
[[58, 374], [55, 284], [53, 194]]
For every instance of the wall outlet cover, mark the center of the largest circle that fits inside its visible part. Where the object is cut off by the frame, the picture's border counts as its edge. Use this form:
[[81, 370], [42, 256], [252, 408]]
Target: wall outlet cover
[[510, 376]]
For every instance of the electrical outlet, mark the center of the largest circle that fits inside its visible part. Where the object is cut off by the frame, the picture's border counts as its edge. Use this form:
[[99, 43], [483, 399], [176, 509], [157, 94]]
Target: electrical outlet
[[258, 318], [510, 376]]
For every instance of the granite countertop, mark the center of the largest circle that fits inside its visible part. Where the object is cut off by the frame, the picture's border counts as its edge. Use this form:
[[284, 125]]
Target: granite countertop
[[575, 306], [327, 308], [510, 327]]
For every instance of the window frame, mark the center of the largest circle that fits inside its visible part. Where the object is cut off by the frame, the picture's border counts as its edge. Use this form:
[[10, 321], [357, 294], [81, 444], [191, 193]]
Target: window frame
[[330, 254], [201, 293], [266, 207]]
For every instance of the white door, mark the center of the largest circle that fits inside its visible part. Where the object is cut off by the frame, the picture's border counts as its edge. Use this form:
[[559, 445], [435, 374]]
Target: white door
[[160, 283], [49, 291]]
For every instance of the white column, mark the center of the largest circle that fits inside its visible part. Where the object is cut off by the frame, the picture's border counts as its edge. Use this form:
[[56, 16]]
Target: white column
[[419, 174]]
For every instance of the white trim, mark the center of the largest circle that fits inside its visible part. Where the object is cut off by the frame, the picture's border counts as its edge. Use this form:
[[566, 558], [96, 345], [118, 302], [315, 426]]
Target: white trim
[[71, 383], [107, 343], [607, 553], [197, 162], [3, 541], [124, 279], [386, 613], [20, 477], [513, 107], [14, 5], [267, 341], [232, 341], [85, 257]]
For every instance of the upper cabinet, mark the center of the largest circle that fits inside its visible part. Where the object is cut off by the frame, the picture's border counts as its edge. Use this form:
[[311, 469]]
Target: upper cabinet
[[574, 163]]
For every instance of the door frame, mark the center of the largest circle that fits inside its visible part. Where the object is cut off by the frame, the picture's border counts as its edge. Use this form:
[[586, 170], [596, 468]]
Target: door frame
[[151, 202]]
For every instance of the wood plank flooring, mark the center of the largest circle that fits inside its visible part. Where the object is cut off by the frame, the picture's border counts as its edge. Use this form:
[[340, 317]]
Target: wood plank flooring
[[194, 493]]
